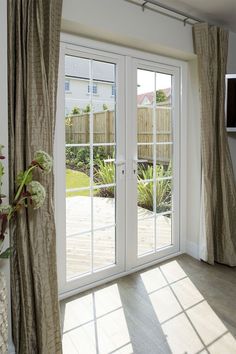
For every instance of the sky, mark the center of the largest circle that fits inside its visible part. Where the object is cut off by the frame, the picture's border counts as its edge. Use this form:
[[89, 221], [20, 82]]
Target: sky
[[146, 81]]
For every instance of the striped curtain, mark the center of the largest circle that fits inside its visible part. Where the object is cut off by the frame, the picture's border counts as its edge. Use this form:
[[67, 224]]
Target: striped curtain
[[33, 56]]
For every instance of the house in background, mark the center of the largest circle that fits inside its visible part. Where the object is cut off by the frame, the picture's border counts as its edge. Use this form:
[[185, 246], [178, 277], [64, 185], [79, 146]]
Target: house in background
[[78, 86], [146, 99]]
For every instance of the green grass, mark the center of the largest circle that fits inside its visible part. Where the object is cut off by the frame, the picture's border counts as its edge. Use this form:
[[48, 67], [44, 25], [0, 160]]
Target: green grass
[[76, 179]]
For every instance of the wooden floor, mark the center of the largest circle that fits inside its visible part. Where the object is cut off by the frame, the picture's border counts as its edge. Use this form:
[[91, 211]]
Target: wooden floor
[[181, 306], [79, 240]]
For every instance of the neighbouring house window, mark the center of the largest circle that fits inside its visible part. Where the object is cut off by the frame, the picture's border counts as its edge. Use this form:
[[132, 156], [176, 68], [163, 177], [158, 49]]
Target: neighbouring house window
[[67, 85], [113, 90], [95, 89]]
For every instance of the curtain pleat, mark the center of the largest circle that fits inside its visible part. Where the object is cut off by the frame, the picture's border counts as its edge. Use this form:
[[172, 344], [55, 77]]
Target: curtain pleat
[[33, 56], [218, 181]]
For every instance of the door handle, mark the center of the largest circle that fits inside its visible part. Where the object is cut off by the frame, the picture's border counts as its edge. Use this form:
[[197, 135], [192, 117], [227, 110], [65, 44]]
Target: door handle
[[119, 162], [116, 162], [140, 161]]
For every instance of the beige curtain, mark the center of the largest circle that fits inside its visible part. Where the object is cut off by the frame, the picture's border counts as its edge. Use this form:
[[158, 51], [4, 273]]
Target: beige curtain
[[33, 55], [218, 181]]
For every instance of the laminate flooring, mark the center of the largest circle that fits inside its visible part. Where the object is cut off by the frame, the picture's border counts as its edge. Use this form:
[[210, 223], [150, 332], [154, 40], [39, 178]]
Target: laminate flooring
[[180, 306]]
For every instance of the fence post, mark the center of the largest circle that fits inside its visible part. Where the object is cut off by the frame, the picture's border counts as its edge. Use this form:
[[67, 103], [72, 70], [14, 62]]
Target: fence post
[[107, 129], [86, 126]]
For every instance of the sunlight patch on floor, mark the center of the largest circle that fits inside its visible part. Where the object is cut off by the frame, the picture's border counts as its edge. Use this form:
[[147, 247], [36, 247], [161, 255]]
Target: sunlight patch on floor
[[96, 323], [187, 320]]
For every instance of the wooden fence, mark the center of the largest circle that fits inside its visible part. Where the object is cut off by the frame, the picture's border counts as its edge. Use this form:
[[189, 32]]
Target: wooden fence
[[77, 131]]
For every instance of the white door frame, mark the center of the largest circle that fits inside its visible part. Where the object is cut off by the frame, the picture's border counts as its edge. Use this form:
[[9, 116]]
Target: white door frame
[[80, 281], [133, 64], [72, 42]]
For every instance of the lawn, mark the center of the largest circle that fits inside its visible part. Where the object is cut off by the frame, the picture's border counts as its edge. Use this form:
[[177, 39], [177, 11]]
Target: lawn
[[76, 179]]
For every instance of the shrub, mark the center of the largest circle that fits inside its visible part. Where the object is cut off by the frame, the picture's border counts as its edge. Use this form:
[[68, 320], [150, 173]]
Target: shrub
[[163, 188], [160, 96], [79, 158], [105, 174], [76, 110]]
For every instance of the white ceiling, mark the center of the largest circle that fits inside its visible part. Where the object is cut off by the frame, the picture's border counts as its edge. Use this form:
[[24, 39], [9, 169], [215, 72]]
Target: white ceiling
[[218, 11]]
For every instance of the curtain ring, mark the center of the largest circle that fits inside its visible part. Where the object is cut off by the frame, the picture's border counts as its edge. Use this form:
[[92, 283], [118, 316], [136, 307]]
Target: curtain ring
[[143, 5], [185, 20]]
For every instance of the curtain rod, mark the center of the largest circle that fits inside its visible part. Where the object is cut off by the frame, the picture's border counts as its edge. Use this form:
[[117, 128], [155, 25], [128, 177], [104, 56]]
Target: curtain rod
[[187, 17]]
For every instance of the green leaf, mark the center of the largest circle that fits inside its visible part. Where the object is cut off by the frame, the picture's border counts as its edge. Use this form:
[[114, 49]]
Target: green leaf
[[20, 177], [6, 254], [1, 170]]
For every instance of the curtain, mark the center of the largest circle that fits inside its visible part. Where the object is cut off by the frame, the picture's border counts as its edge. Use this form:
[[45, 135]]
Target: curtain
[[33, 56], [218, 182]]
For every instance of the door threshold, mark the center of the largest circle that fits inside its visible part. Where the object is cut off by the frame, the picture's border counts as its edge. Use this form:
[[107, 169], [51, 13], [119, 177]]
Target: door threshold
[[103, 281]]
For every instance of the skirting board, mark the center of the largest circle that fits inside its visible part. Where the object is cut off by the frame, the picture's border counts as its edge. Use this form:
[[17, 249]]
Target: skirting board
[[192, 249], [11, 348]]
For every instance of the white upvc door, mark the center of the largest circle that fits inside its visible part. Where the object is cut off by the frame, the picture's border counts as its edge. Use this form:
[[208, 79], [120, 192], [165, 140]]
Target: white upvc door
[[90, 167], [153, 157], [117, 162]]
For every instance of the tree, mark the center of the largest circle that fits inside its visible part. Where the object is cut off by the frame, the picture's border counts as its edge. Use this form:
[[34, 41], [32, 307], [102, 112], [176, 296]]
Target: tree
[[76, 110], [160, 96], [87, 109]]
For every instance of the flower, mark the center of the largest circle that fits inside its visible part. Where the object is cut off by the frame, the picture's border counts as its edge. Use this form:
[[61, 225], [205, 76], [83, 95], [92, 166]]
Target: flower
[[5, 209], [38, 194], [43, 160]]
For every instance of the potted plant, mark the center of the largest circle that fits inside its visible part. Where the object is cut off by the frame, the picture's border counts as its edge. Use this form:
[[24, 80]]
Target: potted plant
[[29, 193]]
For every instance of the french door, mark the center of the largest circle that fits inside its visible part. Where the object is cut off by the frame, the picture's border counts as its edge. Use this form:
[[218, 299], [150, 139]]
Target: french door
[[117, 165], [153, 153]]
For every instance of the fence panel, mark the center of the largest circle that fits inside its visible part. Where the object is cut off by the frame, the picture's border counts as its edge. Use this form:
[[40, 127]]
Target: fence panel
[[77, 131]]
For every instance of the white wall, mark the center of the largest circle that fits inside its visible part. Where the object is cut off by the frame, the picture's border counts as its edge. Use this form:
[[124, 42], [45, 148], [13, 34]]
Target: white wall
[[123, 23], [120, 22]]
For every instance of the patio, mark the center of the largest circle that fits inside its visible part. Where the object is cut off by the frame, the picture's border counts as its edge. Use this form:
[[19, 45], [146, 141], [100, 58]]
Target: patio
[[78, 211]]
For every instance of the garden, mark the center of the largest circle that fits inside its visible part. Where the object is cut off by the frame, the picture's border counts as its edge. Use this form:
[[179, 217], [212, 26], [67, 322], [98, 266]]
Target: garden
[[78, 175]]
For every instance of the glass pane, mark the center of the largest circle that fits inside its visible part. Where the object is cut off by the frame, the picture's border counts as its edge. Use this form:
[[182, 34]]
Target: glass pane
[[145, 198], [145, 162], [104, 207], [104, 247], [77, 169], [164, 154], [163, 125], [104, 126], [78, 215], [104, 166], [104, 102], [145, 124], [163, 89], [78, 260], [78, 70], [103, 71], [163, 196], [155, 151], [146, 235], [90, 110], [163, 230], [145, 100], [77, 126], [145, 87]]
